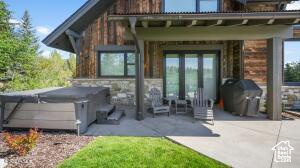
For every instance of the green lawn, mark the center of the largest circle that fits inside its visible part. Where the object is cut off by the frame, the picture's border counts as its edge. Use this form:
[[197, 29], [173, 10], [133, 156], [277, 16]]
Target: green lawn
[[130, 152]]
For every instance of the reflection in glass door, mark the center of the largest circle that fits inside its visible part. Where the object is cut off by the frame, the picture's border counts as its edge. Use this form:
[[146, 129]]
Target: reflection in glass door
[[210, 75], [185, 71], [172, 75], [191, 74]]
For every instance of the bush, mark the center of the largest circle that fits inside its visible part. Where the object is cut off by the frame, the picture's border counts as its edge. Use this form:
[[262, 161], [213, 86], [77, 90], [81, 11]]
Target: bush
[[21, 144]]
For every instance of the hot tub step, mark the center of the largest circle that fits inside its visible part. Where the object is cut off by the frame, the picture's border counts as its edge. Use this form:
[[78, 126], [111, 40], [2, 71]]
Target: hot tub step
[[113, 119], [116, 115]]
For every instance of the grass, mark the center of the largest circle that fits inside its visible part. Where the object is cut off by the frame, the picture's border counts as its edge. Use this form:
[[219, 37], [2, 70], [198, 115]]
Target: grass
[[131, 152]]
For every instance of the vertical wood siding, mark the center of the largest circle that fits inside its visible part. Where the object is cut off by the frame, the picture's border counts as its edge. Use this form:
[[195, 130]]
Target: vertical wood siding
[[255, 60], [103, 32]]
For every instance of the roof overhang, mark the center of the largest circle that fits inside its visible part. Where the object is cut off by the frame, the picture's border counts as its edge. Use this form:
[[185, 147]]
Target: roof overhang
[[77, 22], [211, 26], [211, 18]]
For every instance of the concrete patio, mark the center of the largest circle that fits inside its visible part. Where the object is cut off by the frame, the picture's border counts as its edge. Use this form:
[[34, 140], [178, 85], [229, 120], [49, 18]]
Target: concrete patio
[[236, 141]]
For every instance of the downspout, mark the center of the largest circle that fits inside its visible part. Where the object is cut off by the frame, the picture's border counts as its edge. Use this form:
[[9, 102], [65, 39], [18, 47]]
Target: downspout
[[139, 77]]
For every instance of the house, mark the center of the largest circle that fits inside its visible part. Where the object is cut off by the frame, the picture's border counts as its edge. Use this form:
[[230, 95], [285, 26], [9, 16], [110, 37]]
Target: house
[[283, 152], [177, 46]]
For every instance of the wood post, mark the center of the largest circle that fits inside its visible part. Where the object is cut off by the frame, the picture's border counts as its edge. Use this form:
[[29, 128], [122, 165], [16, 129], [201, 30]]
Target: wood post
[[274, 78], [139, 77], [139, 80]]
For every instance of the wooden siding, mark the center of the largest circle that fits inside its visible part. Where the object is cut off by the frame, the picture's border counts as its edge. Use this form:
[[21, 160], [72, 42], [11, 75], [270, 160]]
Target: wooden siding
[[103, 32], [297, 33], [255, 60]]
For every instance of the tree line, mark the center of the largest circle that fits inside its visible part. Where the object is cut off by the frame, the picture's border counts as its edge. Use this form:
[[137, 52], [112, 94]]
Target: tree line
[[22, 67], [292, 72]]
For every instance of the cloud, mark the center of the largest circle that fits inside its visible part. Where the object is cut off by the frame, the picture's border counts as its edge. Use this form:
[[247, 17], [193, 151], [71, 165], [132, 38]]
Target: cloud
[[293, 6], [14, 21], [43, 30], [46, 53]]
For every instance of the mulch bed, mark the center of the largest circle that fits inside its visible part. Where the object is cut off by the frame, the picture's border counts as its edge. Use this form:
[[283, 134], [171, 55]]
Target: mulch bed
[[51, 149]]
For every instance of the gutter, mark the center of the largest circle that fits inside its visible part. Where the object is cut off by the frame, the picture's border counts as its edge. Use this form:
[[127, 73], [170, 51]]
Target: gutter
[[207, 16]]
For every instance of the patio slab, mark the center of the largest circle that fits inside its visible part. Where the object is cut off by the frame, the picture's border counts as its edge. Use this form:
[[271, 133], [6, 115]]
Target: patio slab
[[237, 141], [246, 143]]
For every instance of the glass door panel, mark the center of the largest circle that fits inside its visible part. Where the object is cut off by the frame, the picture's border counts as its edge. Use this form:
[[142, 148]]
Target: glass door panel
[[210, 75], [191, 74], [172, 75]]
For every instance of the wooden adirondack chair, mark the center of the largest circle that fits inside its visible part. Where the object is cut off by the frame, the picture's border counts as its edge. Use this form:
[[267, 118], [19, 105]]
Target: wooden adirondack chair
[[203, 107], [156, 102]]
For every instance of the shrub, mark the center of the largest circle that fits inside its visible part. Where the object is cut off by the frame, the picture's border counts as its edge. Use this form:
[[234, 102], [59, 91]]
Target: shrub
[[21, 144]]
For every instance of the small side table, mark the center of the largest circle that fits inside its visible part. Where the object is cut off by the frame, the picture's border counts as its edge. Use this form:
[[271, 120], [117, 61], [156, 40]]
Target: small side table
[[181, 103]]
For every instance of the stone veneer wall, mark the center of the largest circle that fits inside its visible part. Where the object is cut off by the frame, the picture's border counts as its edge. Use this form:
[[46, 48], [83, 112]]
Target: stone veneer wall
[[122, 90], [289, 95]]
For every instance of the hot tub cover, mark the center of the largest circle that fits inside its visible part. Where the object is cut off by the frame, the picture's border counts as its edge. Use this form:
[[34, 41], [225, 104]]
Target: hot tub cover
[[70, 94], [52, 95]]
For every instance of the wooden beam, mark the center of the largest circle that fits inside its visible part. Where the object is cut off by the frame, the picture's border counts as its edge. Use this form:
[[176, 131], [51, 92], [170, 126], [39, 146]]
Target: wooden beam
[[145, 24], [192, 23], [296, 21], [75, 40], [213, 33], [132, 21], [168, 23], [214, 22], [274, 78], [237, 22], [271, 21], [72, 33]]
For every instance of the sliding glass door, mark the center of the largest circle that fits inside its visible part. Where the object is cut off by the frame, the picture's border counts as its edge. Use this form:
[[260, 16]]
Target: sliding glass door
[[185, 71], [172, 75], [191, 67], [210, 77]]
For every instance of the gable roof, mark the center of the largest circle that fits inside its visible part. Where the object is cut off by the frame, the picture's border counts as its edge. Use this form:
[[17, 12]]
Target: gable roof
[[77, 22]]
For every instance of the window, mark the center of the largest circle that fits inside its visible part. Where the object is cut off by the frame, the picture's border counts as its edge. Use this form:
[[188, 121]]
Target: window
[[180, 5], [117, 64], [208, 5], [191, 5], [292, 61]]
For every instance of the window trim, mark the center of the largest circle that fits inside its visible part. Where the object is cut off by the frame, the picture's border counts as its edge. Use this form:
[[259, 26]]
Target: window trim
[[126, 64], [197, 3]]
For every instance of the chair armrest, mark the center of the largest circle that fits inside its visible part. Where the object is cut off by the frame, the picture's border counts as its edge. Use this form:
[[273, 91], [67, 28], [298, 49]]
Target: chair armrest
[[212, 102]]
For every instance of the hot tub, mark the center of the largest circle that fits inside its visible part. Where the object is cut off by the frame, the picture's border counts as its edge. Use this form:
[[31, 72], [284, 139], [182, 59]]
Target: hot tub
[[53, 108]]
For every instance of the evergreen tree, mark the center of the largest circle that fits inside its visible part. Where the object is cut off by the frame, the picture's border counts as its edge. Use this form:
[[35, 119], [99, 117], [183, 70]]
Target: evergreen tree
[[27, 32], [292, 72], [8, 43], [28, 43], [72, 64]]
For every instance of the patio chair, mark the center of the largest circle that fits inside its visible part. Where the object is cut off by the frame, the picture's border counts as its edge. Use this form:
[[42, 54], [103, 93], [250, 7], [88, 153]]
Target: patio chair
[[156, 102], [203, 107]]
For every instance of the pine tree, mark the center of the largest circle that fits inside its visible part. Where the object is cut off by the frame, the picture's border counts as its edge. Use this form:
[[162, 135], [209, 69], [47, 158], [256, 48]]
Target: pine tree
[[27, 32], [8, 43], [5, 16], [28, 44]]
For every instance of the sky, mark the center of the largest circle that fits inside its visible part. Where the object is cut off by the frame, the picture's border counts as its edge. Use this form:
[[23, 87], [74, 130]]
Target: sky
[[48, 14]]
